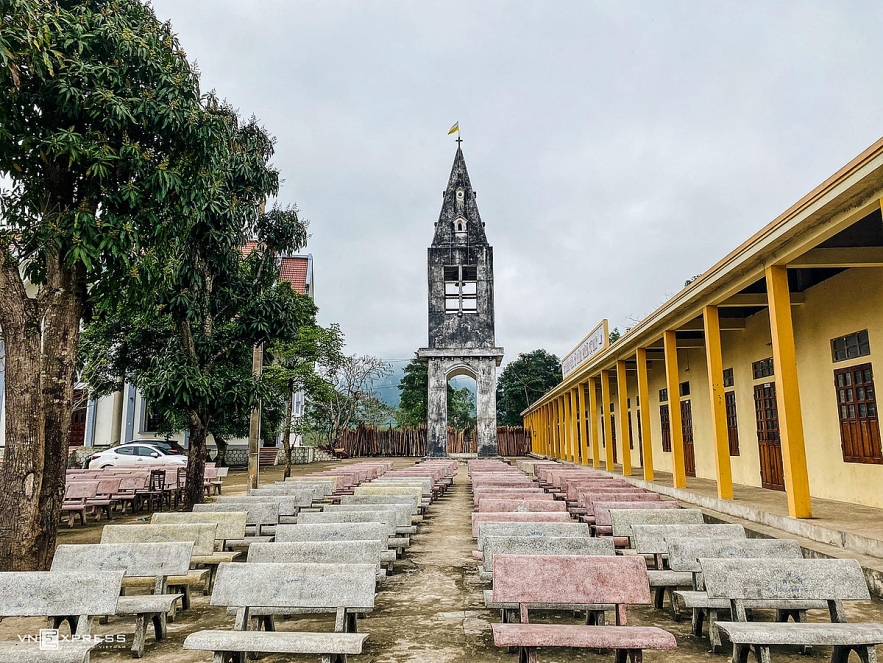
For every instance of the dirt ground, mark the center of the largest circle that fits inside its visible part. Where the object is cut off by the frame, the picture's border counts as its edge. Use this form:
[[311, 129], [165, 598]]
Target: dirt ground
[[430, 611]]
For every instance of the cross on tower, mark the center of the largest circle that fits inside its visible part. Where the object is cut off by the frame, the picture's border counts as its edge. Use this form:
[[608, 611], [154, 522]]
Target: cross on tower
[[459, 140]]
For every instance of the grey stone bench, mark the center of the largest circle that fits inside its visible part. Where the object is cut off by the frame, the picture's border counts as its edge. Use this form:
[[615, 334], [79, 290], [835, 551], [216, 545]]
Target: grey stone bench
[[342, 589], [486, 530], [650, 540], [401, 511], [306, 492], [829, 580], [540, 545], [622, 519], [262, 516], [603, 525], [388, 518], [499, 504], [201, 535], [73, 597], [684, 554], [325, 486], [371, 489], [289, 504], [155, 561], [415, 504], [341, 532], [320, 552], [575, 579], [230, 527]]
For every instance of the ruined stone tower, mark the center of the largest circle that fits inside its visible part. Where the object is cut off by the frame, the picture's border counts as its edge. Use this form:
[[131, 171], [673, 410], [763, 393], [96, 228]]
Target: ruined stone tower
[[461, 313]]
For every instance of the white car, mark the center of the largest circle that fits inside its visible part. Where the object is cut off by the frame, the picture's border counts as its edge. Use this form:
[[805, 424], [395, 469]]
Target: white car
[[133, 455]]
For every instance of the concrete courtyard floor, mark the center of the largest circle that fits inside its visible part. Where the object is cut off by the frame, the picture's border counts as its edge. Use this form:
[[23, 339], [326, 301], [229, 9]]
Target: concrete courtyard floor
[[431, 610]]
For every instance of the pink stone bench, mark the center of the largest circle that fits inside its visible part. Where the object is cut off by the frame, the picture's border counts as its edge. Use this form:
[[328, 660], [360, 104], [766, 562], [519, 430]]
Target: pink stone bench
[[523, 505], [518, 517], [575, 579], [589, 500]]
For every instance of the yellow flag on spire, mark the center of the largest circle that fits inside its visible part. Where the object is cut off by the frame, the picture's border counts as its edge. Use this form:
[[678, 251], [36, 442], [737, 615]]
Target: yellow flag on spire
[[456, 127]]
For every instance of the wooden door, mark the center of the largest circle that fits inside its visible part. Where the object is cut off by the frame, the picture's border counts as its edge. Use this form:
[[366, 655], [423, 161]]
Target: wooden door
[[613, 435], [859, 426], [772, 473], [78, 419], [687, 430]]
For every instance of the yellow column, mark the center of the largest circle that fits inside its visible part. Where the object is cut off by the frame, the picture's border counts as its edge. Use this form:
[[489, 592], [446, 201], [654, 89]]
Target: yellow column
[[593, 422], [556, 429], [605, 409], [565, 431], [583, 425], [622, 393], [547, 430], [788, 393], [674, 409], [644, 406], [574, 417], [714, 359]]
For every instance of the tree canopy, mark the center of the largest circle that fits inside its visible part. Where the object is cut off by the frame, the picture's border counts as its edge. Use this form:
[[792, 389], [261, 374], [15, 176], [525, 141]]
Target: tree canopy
[[414, 389], [522, 382], [105, 139]]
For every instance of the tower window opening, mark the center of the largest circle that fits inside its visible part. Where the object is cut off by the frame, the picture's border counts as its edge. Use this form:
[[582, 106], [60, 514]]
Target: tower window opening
[[460, 225], [461, 289]]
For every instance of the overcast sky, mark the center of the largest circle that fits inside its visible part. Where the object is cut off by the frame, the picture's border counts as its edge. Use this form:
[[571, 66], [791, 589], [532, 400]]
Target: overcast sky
[[618, 149]]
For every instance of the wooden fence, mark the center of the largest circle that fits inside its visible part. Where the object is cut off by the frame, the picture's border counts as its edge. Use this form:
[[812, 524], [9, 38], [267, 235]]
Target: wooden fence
[[371, 441]]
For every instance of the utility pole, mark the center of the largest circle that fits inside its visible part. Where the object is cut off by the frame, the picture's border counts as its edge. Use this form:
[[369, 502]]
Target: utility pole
[[254, 424]]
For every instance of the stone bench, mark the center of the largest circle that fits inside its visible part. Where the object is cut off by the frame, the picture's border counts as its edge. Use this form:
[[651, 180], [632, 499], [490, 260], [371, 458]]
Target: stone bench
[[517, 517], [540, 545], [684, 555], [341, 532], [829, 580], [386, 499], [202, 536], [289, 504], [341, 589], [262, 516], [603, 525], [621, 519], [402, 513], [489, 529], [155, 561], [651, 541], [320, 552], [416, 492], [510, 493], [585, 505], [581, 580], [230, 527], [387, 518], [73, 597], [523, 505]]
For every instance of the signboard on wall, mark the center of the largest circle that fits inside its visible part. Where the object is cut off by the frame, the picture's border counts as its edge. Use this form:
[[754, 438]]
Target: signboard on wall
[[597, 341]]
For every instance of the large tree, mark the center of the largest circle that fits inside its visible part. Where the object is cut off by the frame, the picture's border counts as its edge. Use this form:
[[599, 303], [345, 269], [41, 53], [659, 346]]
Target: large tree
[[522, 382], [187, 343], [102, 135]]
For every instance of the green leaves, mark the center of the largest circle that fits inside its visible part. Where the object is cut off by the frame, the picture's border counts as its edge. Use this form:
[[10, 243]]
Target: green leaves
[[522, 382]]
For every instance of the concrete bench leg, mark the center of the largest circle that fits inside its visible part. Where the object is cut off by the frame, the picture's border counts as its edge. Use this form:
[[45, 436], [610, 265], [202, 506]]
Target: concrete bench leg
[[798, 616], [629, 656], [595, 618], [527, 655], [696, 624], [740, 653], [866, 654]]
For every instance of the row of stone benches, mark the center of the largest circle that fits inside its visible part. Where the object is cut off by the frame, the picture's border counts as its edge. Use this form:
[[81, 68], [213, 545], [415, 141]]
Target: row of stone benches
[[720, 568]]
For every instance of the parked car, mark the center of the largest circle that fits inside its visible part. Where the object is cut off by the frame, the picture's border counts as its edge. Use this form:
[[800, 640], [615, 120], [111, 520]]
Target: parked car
[[169, 446], [134, 455]]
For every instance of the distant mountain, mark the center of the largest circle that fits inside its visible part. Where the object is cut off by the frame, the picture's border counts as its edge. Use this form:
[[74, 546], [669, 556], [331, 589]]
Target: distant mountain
[[388, 388]]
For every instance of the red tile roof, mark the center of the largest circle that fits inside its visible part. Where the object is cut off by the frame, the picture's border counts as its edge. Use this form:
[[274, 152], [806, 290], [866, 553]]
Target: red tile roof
[[294, 270]]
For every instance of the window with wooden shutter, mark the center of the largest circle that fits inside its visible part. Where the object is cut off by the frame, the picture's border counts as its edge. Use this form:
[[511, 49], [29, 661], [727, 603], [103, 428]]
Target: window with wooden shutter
[[857, 410], [666, 427]]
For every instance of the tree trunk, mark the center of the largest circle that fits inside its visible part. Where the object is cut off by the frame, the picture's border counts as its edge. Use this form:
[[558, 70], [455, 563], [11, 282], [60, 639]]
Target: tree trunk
[[22, 478], [221, 458], [286, 434], [193, 488], [61, 336]]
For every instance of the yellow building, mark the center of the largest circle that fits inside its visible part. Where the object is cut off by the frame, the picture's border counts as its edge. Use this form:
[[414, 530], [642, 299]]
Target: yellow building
[[759, 372]]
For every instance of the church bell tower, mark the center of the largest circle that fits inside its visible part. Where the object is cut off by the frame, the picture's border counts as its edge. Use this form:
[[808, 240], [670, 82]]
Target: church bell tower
[[461, 313]]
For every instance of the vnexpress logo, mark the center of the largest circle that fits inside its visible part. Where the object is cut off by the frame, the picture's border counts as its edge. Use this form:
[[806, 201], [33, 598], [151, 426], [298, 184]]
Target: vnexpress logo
[[48, 639]]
